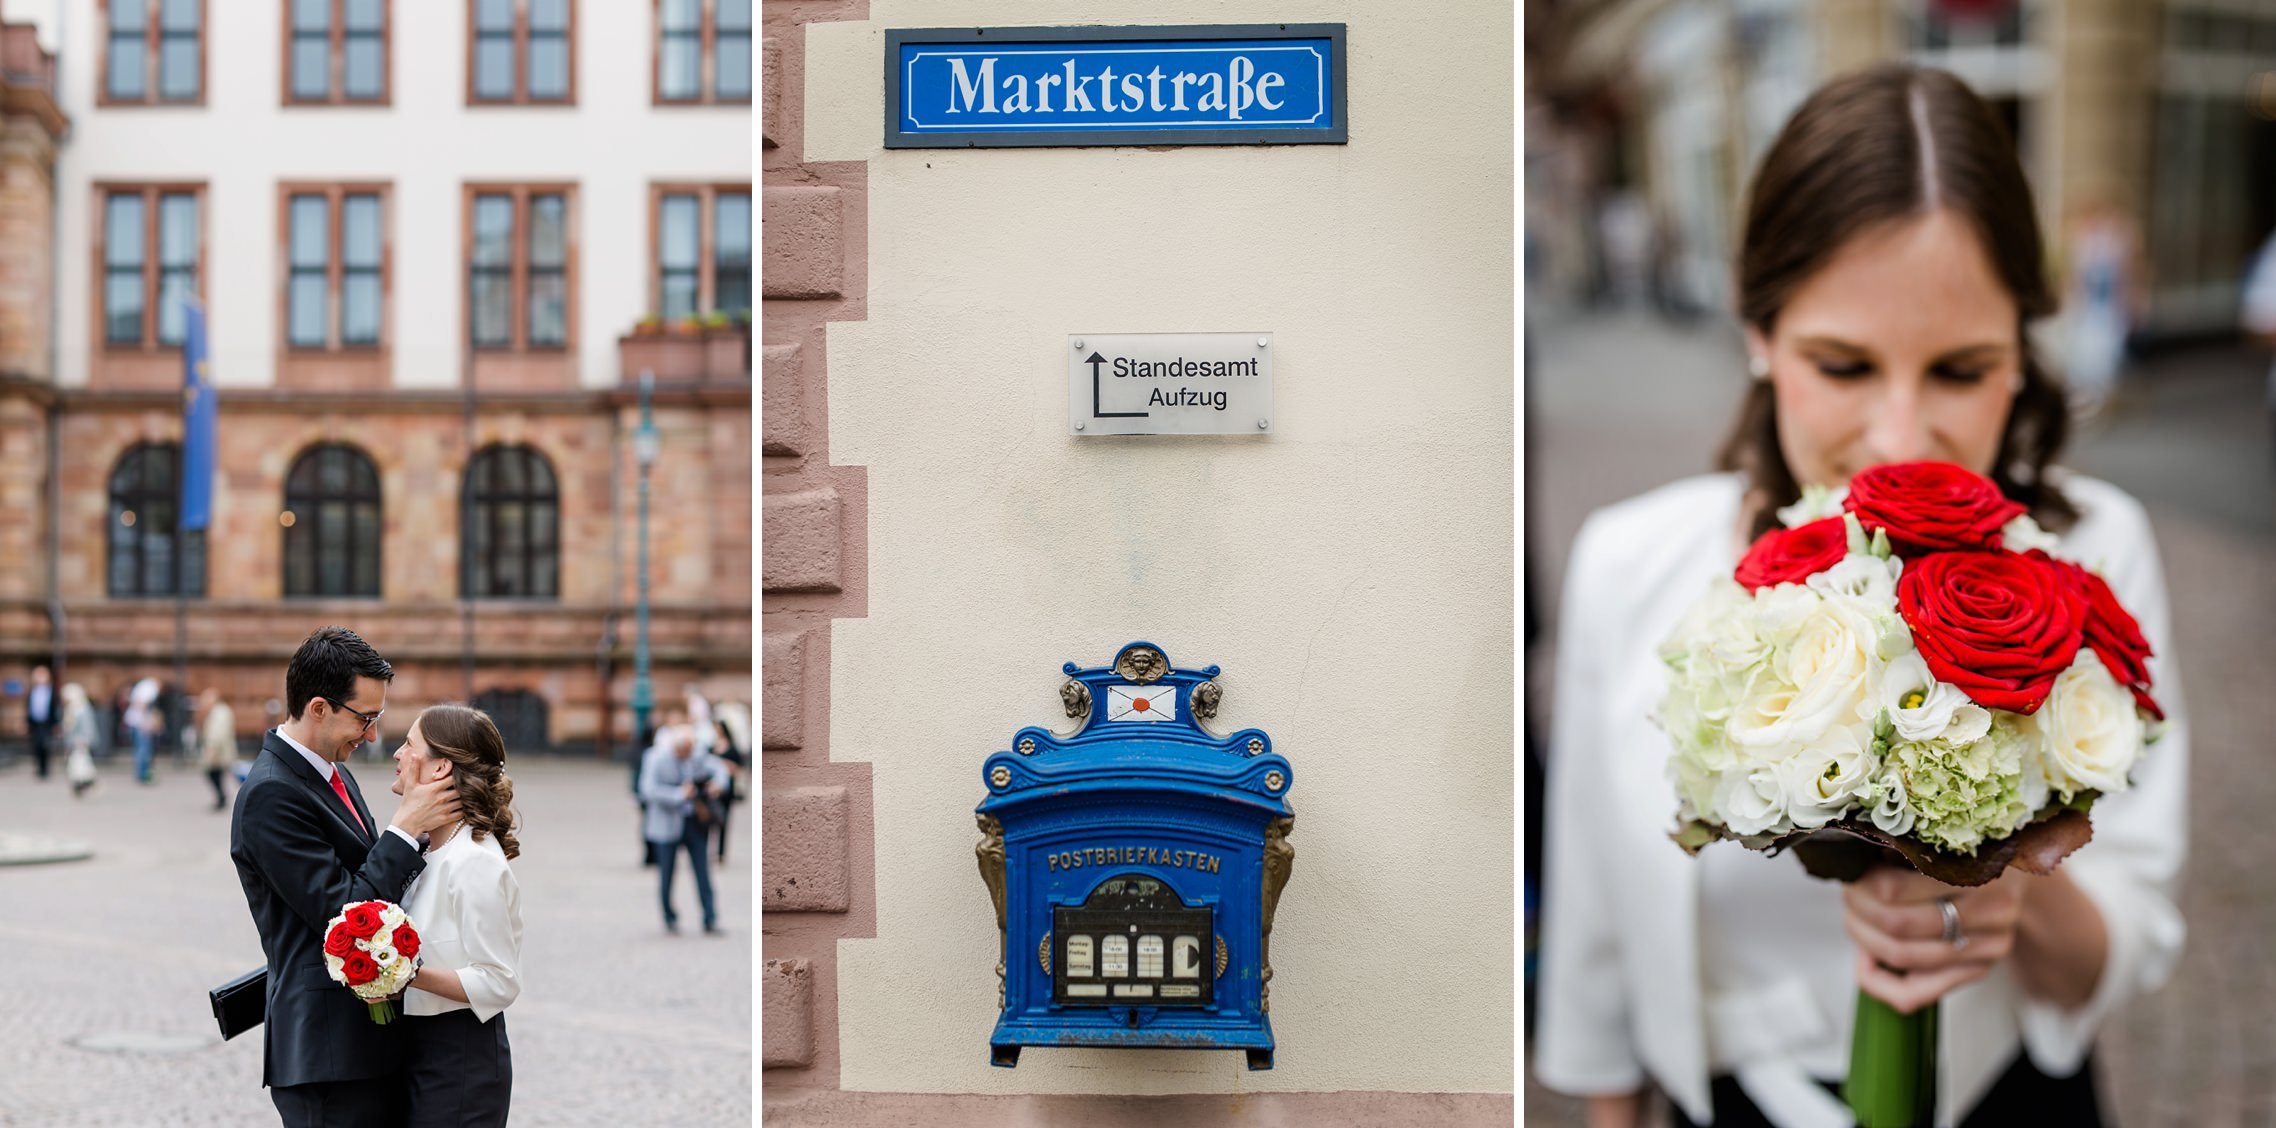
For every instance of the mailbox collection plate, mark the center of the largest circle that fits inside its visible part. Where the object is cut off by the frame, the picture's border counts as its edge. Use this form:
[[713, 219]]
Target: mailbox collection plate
[[1166, 953]]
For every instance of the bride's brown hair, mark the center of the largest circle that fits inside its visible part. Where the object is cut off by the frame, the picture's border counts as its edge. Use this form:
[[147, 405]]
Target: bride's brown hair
[[477, 754], [1888, 143]]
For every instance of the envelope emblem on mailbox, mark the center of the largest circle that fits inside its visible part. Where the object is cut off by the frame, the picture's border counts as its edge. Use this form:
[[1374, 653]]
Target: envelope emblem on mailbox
[[1141, 703]]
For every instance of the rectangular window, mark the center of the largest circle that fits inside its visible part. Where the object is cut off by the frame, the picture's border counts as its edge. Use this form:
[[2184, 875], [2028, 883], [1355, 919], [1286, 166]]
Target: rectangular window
[[336, 52], [703, 250], [521, 267], [703, 52], [151, 251], [521, 52], [335, 255], [153, 52]]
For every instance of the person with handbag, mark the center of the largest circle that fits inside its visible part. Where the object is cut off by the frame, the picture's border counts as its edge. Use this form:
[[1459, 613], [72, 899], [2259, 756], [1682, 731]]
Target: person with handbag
[[681, 788]]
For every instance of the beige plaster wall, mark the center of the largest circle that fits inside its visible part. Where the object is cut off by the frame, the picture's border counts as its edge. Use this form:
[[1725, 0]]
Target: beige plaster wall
[[1352, 572]]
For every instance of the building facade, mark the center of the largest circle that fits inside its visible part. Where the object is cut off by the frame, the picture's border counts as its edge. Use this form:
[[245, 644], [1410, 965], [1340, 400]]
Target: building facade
[[435, 246], [938, 541], [2159, 112]]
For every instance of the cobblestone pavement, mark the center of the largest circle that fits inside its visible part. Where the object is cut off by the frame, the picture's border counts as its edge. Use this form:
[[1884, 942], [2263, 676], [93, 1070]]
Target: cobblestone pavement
[[103, 1016], [1619, 404]]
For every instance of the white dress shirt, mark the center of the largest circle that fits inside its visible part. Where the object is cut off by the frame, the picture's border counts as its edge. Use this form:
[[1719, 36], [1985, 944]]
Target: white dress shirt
[[1659, 965], [326, 768], [467, 908]]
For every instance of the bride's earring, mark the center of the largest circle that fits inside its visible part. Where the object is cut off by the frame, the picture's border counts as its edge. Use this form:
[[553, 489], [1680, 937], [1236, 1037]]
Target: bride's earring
[[1758, 366]]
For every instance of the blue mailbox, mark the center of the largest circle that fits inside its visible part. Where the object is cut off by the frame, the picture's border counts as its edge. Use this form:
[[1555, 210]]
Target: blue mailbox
[[1135, 861]]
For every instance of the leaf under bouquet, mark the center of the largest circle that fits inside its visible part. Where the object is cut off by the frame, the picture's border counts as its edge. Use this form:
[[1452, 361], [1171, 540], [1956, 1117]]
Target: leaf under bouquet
[[1905, 672], [371, 949]]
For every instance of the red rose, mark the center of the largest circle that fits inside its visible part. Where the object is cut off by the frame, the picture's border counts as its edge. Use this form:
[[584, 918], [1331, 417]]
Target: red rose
[[2113, 635], [1789, 556], [406, 941], [339, 942], [363, 920], [358, 968], [1998, 625], [1930, 506]]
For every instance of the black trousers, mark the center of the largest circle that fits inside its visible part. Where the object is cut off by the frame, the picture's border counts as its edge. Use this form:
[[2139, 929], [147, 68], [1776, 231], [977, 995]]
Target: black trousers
[[2022, 1095], [43, 745], [462, 1071], [375, 1102]]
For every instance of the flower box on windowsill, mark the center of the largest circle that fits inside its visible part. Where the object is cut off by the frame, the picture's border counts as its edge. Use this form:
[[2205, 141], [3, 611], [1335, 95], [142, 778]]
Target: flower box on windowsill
[[671, 356], [727, 353]]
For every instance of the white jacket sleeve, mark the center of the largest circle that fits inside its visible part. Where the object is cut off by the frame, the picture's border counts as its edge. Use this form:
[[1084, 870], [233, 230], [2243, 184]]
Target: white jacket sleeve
[[491, 935], [2131, 867], [1581, 1040]]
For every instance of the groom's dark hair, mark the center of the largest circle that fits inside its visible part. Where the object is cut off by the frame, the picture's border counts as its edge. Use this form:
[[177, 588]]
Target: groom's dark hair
[[327, 665]]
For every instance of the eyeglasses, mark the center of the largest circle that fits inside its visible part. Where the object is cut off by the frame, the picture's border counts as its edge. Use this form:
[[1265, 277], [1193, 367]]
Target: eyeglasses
[[370, 720]]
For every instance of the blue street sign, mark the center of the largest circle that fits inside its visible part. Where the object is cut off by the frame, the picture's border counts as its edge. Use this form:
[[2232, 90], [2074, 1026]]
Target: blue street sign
[[1071, 86]]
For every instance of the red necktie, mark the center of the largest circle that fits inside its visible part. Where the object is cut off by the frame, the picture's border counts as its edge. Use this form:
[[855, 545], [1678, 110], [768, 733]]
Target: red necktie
[[340, 788]]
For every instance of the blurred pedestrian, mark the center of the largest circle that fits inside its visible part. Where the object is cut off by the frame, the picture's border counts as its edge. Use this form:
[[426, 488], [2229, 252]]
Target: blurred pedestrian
[[2101, 302], [40, 712], [650, 740], [143, 721], [733, 746], [2259, 308], [217, 742], [681, 786], [79, 737]]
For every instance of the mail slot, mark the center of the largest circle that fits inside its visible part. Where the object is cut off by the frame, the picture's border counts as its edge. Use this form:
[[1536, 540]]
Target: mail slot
[[1135, 861]]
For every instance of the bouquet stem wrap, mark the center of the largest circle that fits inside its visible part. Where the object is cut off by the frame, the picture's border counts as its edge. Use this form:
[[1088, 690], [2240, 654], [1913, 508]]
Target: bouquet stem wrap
[[1892, 1066], [382, 1012]]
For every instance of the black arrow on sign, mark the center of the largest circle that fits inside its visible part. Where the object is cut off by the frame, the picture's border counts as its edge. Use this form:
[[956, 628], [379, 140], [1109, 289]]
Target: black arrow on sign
[[1094, 360]]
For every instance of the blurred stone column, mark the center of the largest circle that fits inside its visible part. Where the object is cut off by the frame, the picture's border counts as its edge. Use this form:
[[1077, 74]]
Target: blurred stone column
[[1855, 33], [2104, 55]]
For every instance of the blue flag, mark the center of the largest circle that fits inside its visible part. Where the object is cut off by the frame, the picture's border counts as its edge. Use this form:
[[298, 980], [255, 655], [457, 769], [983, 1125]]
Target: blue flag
[[197, 421]]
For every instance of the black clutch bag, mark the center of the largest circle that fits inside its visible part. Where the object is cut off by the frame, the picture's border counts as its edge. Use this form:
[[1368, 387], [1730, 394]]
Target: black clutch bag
[[242, 1003]]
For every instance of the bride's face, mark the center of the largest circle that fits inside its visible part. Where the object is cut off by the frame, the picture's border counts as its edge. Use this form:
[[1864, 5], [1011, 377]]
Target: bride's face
[[1901, 348], [415, 762]]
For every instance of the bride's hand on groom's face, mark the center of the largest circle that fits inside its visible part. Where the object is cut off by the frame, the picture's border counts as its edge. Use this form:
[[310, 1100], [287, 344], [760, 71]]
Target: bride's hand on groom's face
[[428, 806]]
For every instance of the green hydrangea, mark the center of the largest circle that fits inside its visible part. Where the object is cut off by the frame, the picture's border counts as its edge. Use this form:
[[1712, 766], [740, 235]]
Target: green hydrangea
[[1964, 794]]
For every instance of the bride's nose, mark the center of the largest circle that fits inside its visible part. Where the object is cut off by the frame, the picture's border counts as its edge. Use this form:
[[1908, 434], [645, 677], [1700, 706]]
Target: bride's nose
[[1898, 431]]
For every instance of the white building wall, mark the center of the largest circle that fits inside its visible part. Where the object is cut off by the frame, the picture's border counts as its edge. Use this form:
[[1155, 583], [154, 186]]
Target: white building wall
[[242, 142], [1351, 572]]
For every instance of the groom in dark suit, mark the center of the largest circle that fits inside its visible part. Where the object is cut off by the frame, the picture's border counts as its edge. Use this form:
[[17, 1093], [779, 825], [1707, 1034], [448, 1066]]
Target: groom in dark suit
[[305, 846]]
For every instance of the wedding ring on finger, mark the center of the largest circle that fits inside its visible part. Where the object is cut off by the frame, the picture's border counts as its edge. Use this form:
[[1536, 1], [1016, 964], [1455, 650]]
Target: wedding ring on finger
[[1952, 933]]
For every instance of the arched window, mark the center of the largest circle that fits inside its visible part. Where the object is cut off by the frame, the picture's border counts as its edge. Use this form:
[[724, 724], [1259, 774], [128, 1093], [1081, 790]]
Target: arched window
[[511, 539], [331, 523], [144, 545], [520, 716]]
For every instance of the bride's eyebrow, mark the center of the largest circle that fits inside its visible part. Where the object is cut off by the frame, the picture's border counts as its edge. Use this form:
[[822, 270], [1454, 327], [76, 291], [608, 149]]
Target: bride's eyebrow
[[1833, 344], [1988, 351]]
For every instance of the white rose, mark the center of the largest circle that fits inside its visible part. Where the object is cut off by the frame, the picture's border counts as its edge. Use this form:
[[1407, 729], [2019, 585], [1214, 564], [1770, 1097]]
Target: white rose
[[1921, 708], [1823, 780], [1823, 680], [1866, 580], [2090, 733], [1751, 802]]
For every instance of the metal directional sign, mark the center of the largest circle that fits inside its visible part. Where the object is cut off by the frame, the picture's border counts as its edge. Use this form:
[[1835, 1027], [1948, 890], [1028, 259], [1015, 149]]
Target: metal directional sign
[[1169, 383], [980, 87]]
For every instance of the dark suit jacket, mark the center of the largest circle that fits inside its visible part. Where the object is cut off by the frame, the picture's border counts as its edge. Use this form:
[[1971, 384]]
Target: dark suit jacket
[[301, 859]]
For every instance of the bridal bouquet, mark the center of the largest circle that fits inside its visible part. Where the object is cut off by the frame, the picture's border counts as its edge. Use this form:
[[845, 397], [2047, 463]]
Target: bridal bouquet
[[1904, 667], [371, 949]]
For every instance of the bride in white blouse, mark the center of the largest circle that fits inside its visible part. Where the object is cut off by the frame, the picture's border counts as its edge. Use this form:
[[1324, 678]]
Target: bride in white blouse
[[467, 908], [1889, 268]]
